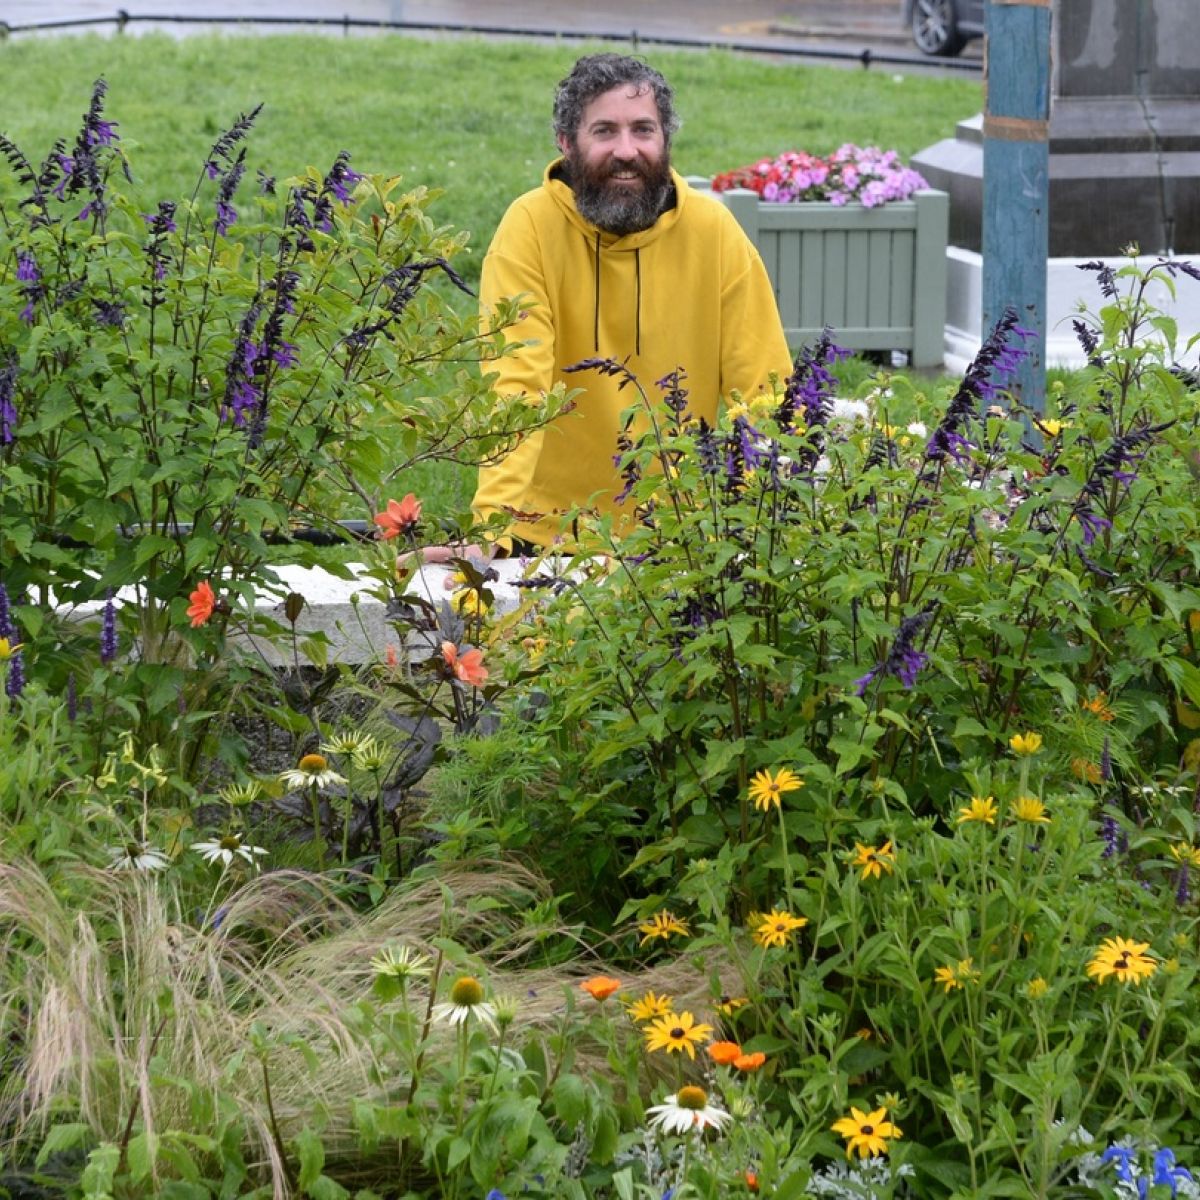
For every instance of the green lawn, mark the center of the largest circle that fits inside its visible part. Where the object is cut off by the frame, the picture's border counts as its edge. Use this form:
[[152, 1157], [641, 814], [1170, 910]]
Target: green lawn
[[466, 116]]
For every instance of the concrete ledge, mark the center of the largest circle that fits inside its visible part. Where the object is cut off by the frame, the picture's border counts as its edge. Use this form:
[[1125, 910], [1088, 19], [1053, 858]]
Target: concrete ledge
[[353, 620], [1066, 286]]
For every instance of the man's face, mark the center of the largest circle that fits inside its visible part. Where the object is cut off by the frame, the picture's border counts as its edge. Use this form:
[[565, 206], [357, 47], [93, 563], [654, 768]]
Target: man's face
[[618, 163]]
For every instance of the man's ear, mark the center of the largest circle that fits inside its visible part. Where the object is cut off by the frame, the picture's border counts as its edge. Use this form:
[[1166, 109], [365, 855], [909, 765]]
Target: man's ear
[[564, 144]]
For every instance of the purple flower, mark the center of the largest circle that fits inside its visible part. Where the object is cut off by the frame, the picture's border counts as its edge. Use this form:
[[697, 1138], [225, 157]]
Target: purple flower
[[341, 178], [285, 355], [14, 683], [163, 221], [904, 661], [864, 681], [110, 313], [6, 625], [1110, 832], [1182, 891], [102, 133], [27, 268], [108, 630], [226, 216], [8, 406]]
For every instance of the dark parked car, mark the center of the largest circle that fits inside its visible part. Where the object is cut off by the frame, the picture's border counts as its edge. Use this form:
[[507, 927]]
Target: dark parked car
[[943, 27]]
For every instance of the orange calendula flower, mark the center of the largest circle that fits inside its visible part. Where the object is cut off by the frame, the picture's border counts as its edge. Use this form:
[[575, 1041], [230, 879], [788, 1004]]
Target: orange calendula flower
[[749, 1062], [203, 603], [724, 1053], [874, 861], [981, 808], [868, 1133], [751, 1179], [1089, 772], [600, 987], [466, 667], [399, 517], [1098, 706], [662, 925], [767, 789], [1123, 960], [1025, 744]]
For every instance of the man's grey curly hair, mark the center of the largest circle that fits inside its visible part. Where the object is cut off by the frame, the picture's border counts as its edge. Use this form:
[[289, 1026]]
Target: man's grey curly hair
[[595, 74]]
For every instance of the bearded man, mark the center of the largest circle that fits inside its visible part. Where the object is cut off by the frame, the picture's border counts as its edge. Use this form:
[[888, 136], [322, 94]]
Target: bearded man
[[615, 256]]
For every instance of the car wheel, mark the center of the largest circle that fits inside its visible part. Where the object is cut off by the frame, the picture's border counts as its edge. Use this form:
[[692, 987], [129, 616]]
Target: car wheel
[[935, 28]]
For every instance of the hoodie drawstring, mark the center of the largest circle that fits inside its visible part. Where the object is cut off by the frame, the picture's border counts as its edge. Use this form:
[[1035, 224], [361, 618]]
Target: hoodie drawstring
[[637, 311], [596, 311]]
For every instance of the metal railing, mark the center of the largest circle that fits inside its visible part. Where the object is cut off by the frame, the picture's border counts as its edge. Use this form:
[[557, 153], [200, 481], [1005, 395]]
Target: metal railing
[[122, 19]]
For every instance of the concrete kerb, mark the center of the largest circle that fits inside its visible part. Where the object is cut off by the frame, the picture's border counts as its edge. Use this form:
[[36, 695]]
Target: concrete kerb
[[345, 612]]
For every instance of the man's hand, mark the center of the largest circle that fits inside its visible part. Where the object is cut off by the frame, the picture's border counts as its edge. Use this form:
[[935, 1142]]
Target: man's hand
[[441, 555]]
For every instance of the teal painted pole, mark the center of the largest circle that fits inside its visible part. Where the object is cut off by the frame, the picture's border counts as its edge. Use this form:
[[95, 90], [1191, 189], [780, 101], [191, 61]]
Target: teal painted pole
[[1016, 179]]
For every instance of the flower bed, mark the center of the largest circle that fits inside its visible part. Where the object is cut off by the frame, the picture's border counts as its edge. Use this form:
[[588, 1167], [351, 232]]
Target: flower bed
[[853, 242]]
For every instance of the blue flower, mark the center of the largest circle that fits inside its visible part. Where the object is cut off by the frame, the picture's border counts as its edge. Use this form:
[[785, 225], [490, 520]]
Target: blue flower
[[1122, 1158], [495, 1194], [1167, 1173]]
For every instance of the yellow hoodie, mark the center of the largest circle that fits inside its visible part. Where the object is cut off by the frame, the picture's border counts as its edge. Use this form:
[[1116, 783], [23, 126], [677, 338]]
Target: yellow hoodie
[[689, 293]]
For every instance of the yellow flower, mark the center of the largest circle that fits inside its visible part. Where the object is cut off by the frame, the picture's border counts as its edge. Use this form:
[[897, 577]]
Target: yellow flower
[[776, 927], [874, 861], [1030, 810], [650, 1006], [1051, 427], [1186, 853], [8, 649], [662, 925], [868, 1133], [1035, 989], [1125, 960], [981, 808], [675, 1033], [1025, 743], [766, 789], [728, 1005], [946, 975], [954, 977]]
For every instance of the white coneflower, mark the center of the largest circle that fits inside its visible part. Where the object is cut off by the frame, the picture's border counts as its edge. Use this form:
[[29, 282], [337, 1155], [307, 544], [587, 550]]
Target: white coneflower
[[238, 795], [400, 962], [345, 742], [688, 1110], [137, 856], [372, 755], [466, 1001], [311, 771], [225, 849]]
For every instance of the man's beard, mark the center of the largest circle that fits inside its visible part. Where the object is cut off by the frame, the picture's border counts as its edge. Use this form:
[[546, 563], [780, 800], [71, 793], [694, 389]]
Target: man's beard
[[613, 207]]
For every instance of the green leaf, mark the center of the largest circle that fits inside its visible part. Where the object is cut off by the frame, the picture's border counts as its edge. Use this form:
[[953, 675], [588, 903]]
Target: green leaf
[[311, 1152], [570, 1100], [141, 1155], [63, 1137]]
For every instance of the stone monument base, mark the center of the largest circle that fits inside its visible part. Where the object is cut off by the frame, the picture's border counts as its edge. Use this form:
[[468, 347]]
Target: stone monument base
[[1067, 288]]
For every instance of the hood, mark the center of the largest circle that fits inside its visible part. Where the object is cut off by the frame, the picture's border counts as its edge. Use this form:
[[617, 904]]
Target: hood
[[555, 183]]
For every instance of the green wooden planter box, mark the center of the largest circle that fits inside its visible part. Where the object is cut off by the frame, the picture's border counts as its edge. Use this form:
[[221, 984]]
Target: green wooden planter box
[[876, 276]]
